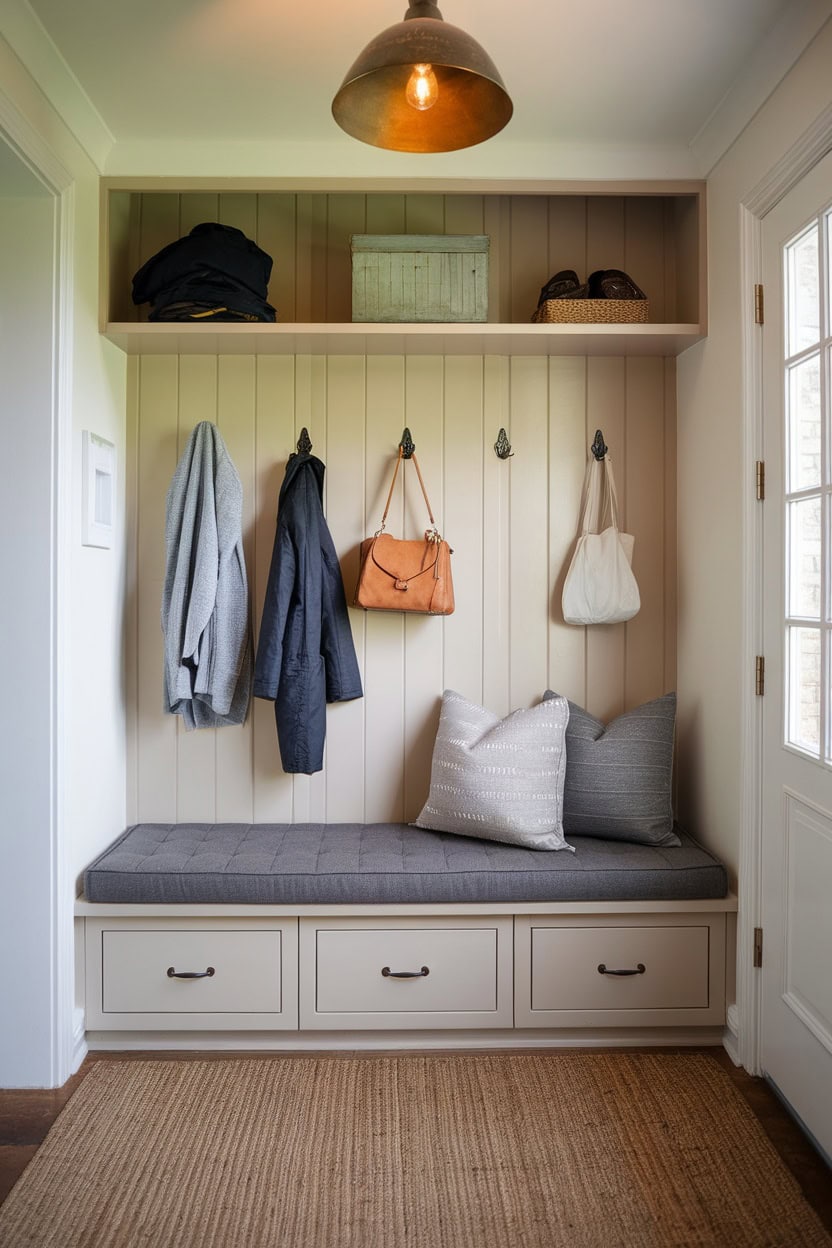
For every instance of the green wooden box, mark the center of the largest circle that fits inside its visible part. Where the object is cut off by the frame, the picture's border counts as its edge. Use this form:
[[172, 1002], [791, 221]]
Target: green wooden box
[[419, 277]]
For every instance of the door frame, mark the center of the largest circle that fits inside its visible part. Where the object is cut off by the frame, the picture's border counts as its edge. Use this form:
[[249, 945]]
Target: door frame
[[66, 1042], [743, 1035]]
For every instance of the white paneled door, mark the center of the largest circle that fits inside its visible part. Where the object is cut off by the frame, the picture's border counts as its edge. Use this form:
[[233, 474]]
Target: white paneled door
[[797, 771]]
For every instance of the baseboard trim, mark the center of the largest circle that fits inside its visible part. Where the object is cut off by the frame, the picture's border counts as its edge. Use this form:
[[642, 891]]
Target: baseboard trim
[[372, 1041], [79, 1047], [731, 1035]]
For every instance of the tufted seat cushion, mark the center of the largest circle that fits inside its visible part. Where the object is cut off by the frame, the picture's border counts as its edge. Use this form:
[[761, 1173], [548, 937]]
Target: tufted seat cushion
[[342, 863]]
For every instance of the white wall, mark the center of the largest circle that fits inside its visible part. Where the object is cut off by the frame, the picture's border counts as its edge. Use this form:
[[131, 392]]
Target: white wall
[[712, 474], [37, 1050]]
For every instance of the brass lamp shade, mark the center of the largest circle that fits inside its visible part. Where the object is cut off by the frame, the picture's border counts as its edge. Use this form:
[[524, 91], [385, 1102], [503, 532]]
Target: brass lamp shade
[[471, 105]]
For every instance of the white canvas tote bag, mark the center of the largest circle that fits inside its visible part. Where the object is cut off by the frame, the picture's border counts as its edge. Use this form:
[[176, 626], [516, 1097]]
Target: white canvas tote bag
[[600, 587]]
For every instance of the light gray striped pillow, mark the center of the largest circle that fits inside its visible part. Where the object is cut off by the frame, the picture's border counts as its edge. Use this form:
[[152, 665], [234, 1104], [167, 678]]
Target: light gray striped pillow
[[499, 779], [618, 777]]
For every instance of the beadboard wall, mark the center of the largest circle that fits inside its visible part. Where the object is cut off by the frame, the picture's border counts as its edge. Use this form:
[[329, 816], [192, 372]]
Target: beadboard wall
[[511, 524]]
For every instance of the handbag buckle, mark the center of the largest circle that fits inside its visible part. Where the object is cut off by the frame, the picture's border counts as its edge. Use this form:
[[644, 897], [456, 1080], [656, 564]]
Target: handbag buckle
[[400, 584]]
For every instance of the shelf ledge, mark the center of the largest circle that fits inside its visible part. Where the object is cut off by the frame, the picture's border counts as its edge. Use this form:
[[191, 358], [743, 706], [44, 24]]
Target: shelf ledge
[[175, 338]]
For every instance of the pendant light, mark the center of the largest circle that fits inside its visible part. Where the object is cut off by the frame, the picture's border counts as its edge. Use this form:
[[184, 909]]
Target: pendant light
[[422, 86]]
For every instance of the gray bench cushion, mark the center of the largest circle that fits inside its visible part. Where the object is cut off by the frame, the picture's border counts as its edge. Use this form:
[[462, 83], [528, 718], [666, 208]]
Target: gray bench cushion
[[383, 863]]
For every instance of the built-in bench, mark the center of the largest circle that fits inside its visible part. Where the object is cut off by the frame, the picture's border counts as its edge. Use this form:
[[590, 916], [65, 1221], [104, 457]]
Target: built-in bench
[[196, 933]]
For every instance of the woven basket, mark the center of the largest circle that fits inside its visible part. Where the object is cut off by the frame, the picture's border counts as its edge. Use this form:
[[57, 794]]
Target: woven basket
[[592, 311]]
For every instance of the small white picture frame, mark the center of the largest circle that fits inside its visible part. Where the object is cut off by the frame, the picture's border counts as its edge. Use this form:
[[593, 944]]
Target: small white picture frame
[[98, 490]]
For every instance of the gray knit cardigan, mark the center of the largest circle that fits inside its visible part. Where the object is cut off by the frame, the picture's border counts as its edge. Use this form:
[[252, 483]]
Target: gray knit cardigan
[[206, 618]]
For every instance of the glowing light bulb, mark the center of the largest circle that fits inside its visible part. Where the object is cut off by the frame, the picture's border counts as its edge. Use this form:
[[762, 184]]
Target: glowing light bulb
[[422, 90]]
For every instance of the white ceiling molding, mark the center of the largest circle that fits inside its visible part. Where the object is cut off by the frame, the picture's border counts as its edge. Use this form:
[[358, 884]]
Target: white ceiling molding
[[766, 68], [24, 145], [346, 157], [31, 43]]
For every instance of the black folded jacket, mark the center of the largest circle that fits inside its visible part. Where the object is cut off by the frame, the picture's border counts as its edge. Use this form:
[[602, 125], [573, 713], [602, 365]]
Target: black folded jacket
[[214, 264]]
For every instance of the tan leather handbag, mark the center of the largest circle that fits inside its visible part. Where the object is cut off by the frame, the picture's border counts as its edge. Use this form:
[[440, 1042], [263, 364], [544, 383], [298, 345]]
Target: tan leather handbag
[[400, 575]]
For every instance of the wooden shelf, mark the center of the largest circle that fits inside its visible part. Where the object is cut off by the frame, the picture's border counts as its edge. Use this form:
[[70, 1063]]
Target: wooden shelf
[[655, 231], [157, 338]]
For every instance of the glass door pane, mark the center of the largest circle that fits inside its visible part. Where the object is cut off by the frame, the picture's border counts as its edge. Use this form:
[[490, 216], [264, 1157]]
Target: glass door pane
[[808, 496]]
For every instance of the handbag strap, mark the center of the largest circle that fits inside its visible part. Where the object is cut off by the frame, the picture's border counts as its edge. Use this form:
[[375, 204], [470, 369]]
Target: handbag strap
[[399, 458]]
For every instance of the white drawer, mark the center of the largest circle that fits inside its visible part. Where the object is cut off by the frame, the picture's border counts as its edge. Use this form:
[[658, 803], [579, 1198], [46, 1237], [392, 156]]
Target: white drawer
[[667, 970], [183, 974], [406, 973]]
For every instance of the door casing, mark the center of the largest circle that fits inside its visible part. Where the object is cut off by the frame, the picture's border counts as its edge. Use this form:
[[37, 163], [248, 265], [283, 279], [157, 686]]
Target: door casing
[[65, 1047]]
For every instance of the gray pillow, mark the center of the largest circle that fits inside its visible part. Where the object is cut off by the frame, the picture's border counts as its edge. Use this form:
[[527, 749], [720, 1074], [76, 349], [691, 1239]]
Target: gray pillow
[[618, 777], [499, 779]]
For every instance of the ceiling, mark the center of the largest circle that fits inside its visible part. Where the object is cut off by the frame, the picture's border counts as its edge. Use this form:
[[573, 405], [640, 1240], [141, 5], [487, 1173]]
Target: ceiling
[[234, 71]]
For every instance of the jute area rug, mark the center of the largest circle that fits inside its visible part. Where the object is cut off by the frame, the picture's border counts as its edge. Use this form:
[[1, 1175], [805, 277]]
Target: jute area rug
[[584, 1150]]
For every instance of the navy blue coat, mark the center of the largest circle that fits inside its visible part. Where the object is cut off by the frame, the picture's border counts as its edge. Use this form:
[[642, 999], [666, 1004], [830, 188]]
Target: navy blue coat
[[305, 652]]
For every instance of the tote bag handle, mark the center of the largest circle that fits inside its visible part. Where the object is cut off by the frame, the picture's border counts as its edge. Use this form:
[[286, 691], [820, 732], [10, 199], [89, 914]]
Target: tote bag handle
[[600, 495]]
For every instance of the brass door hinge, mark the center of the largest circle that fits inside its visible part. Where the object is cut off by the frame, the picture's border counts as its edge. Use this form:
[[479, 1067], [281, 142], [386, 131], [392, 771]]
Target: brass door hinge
[[761, 480], [759, 305], [758, 946], [759, 675]]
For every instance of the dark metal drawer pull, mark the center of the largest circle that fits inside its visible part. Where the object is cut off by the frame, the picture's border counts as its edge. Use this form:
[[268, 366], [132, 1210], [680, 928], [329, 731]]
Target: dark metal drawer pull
[[172, 974], [605, 970], [388, 974]]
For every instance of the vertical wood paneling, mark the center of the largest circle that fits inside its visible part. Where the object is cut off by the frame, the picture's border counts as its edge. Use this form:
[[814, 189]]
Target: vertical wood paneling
[[159, 225], [567, 237], [157, 762], [423, 635], [274, 439], [424, 214], [567, 466], [529, 243], [669, 575], [529, 533], [195, 207], [386, 214], [462, 522], [236, 422], [655, 238], [347, 216], [512, 524], [384, 712], [605, 642], [131, 605], [239, 209], [276, 234], [464, 214], [196, 751], [497, 222], [644, 245], [644, 478], [495, 521], [310, 258], [346, 399], [605, 233]]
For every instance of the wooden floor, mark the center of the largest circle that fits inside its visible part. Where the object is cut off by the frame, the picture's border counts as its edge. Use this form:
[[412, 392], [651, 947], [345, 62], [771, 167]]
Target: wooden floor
[[26, 1116]]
